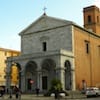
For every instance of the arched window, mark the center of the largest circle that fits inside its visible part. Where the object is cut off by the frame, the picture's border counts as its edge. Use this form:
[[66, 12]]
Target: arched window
[[68, 80], [48, 72], [31, 75], [89, 19], [87, 46], [98, 19], [68, 65]]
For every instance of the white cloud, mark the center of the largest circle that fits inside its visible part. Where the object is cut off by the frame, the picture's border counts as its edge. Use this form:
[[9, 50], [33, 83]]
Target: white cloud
[[97, 3]]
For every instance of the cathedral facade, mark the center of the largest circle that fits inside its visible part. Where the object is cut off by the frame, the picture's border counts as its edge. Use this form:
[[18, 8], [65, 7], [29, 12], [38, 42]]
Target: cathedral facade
[[55, 48]]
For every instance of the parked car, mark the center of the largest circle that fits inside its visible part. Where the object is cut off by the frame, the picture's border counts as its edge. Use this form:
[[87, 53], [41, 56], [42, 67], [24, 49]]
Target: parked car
[[52, 93], [92, 91]]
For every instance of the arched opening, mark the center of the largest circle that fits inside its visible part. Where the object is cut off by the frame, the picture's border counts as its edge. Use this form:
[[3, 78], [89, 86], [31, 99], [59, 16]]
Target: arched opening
[[98, 19], [89, 19], [30, 76], [48, 73], [68, 82], [16, 75]]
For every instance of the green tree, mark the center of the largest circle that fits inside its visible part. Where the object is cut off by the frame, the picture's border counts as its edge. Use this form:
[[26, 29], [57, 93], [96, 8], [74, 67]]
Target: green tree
[[56, 84]]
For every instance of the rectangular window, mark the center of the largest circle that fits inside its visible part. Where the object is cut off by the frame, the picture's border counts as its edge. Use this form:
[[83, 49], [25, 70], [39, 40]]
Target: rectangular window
[[98, 19], [89, 19], [5, 53], [87, 46], [44, 46], [99, 49]]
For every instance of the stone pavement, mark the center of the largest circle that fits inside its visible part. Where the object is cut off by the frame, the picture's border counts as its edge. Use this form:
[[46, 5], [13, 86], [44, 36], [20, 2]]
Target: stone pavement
[[73, 95]]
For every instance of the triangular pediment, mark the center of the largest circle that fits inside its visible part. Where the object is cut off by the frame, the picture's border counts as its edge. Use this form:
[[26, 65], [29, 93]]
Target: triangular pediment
[[43, 23]]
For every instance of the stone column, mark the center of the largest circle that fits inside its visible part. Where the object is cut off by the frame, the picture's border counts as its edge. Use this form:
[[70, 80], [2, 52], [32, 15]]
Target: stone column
[[73, 79], [38, 79], [23, 83], [60, 75], [8, 81], [73, 75], [8, 76]]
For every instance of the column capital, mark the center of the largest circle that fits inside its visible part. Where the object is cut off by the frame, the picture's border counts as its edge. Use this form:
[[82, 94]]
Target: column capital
[[59, 68]]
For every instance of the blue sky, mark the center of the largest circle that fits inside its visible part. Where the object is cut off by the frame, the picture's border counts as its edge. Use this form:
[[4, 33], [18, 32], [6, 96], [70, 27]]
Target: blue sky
[[15, 15]]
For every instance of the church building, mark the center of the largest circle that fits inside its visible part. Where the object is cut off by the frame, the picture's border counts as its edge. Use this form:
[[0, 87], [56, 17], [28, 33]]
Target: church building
[[56, 48]]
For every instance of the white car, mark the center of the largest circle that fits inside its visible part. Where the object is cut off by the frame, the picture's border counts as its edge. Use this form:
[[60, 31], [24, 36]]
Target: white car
[[92, 91]]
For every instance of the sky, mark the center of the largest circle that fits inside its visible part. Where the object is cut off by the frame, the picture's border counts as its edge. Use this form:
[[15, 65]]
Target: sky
[[16, 15]]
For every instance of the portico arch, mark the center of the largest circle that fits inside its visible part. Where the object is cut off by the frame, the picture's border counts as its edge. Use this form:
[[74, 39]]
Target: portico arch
[[15, 74], [48, 72], [31, 76], [68, 80]]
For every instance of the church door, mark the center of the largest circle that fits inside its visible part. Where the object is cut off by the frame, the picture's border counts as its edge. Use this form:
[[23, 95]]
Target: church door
[[29, 84], [31, 76], [44, 82]]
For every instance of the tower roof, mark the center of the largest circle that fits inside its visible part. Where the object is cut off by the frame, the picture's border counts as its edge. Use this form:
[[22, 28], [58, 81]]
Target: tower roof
[[91, 8]]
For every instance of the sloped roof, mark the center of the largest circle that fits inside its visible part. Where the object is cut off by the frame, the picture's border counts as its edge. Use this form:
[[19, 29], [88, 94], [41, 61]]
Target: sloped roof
[[8, 50], [44, 22]]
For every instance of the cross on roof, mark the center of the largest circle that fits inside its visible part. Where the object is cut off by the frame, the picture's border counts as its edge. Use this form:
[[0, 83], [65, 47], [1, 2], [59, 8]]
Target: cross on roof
[[44, 9]]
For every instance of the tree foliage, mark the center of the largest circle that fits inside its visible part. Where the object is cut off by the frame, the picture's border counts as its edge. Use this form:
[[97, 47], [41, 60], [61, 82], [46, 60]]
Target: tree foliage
[[56, 84]]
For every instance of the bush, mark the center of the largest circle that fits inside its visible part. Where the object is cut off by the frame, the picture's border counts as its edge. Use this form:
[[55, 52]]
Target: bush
[[56, 85]]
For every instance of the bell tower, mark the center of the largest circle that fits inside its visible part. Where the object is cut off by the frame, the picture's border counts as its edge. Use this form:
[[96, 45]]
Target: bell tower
[[92, 19]]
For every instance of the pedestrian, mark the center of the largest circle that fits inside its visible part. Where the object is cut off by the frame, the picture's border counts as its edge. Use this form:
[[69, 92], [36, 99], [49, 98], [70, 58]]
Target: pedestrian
[[37, 91], [57, 97], [10, 92], [16, 94], [19, 94], [7, 91], [16, 91]]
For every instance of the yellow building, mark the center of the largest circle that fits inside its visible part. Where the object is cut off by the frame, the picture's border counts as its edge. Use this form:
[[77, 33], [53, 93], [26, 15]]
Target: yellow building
[[4, 53]]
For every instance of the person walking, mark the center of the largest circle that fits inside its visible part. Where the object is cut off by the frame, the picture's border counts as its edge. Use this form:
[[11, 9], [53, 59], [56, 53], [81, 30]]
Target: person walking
[[37, 91], [16, 91], [19, 94], [10, 92]]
